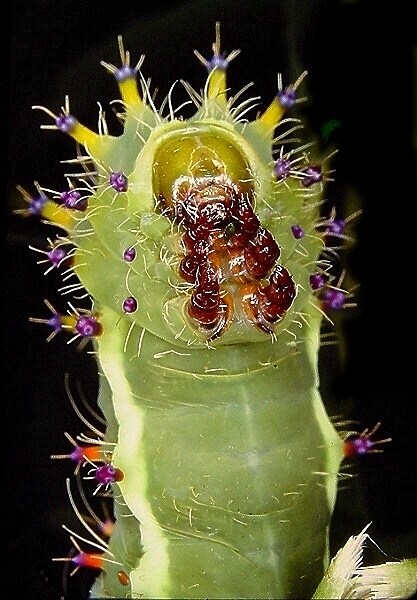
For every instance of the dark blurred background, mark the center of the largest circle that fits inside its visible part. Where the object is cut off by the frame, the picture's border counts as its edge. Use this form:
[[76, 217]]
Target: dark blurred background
[[361, 57]]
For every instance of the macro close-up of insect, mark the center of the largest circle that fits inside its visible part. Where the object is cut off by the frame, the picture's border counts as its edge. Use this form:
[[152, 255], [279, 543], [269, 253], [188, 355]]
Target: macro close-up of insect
[[206, 274]]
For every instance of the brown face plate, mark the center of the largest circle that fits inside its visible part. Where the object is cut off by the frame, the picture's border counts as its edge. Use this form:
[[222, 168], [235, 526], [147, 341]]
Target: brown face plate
[[229, 258]]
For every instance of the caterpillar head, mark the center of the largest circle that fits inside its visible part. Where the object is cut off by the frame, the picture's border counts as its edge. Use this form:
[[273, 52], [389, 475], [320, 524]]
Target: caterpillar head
[[202, 230]]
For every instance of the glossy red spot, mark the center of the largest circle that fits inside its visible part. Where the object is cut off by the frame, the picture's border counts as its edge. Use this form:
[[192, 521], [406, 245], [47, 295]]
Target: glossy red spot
[[123, 578], [262, 254], [188, 268], [246, 218], [205, 299], [281, 288]]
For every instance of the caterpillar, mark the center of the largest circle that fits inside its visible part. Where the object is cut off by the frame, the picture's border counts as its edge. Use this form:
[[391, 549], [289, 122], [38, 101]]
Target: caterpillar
[[200, 245]]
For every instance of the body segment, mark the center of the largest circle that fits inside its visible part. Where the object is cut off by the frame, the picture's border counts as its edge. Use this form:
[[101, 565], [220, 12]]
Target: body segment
[[247, 509]]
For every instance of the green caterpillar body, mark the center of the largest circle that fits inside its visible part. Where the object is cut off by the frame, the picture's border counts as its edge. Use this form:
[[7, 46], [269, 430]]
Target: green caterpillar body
[[227, 508], [199, 254]]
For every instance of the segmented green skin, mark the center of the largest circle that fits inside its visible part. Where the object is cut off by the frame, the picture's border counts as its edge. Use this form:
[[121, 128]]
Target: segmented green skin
[[230, 461], [225, 470]]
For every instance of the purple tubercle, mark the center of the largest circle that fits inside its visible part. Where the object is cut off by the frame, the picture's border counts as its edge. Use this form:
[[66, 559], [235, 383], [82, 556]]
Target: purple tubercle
[[358, 446], [361, 444], [336, 227], [311, 175], [118, 181], [282, 168], [124, 72], [65, 122], [333, 299], [72, 200], [106, 474], [88, 326], [317, 281], [297, 231], [77, 455], [217, 62], [36, 204], [129, 254], [130, 304], [287, 98], [55, 322], [57, 255]]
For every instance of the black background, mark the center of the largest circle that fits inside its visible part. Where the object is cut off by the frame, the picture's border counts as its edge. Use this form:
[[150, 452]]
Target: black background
[[361, 59]]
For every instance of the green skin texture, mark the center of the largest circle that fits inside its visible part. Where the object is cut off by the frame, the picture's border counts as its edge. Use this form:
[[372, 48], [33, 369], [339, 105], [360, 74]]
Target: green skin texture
[[229, 486], [230, 461]]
